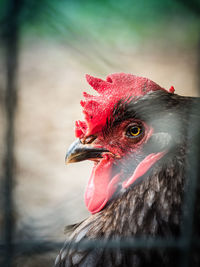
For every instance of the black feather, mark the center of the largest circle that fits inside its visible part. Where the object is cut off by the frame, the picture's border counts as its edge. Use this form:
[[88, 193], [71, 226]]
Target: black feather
[[153, 206]]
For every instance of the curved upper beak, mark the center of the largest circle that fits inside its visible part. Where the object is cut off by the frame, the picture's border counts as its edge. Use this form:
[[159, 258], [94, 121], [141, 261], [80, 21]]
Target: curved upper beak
[[79, 152]]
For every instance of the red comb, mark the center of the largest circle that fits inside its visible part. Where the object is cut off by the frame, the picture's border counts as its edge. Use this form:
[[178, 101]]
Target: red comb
[[116, 87], [171, 90]]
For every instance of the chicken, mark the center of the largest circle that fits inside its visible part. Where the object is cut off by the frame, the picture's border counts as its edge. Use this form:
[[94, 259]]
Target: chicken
[[136, 132]]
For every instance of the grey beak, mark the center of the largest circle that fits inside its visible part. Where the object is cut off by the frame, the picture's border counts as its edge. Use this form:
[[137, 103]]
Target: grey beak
[[79, 152]]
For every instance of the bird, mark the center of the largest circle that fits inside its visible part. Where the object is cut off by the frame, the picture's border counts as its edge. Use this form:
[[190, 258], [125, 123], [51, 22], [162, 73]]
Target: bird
[[137, 134]]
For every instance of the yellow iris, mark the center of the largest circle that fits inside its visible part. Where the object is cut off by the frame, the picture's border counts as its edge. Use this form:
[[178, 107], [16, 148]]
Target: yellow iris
[[135, 130]]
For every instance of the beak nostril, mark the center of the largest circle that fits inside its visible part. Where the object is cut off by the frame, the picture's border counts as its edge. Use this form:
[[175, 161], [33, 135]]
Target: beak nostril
[[88, 139]]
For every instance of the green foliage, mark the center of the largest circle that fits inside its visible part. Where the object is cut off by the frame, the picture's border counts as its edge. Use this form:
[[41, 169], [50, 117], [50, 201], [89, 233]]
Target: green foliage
[[108, 19]]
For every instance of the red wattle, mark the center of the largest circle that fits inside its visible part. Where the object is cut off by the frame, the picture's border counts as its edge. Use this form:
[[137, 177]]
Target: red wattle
[[143, 167], [100, 185]]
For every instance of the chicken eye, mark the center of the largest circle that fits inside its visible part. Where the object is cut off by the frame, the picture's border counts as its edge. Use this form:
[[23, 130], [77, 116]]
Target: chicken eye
[[134, 131]]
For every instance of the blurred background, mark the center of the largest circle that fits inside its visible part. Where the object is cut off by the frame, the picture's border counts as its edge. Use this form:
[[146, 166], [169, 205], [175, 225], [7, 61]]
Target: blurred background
[[46, 49]]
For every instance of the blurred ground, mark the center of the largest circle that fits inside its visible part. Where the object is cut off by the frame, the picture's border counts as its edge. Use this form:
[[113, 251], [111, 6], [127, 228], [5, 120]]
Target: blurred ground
[[49, 194]]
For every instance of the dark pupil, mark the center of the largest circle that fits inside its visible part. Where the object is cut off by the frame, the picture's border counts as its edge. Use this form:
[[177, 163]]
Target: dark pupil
[[134, 130]]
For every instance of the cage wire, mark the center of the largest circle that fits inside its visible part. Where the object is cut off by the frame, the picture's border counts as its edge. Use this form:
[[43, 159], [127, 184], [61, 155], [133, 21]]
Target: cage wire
[[9, 249]]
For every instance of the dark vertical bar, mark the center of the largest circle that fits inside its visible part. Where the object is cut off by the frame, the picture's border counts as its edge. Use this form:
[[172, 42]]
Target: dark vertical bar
[[193, 175], [10, 37]]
